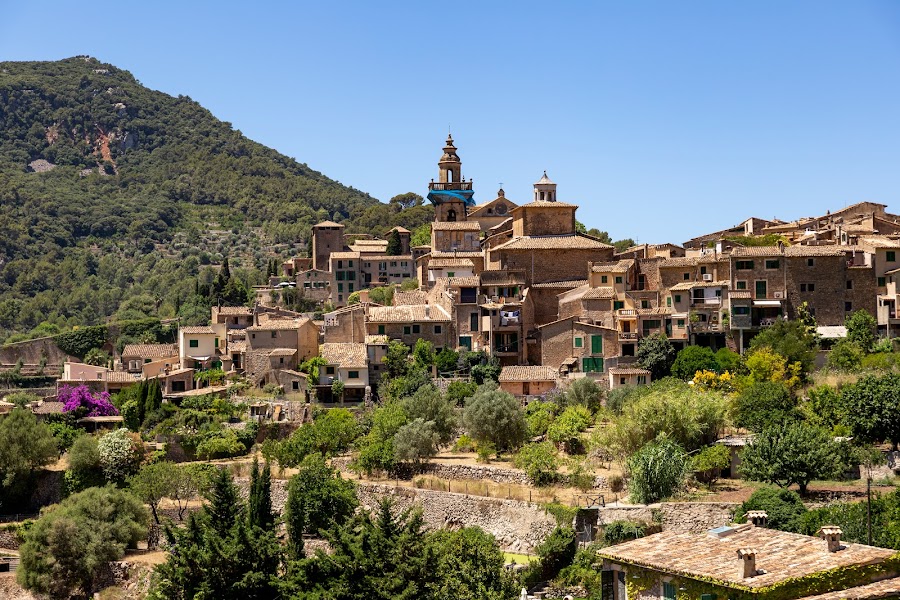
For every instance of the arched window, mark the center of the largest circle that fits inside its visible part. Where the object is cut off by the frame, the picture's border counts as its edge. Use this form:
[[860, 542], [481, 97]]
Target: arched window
[[451, 215]]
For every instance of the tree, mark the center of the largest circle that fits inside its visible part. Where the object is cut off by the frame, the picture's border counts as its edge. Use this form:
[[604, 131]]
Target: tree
[[120, 455], [447, 360], [657, 471], [71, 543], [396, 359], [188, 483], [728, 360], [224, 503], [584, 392], [870, 406], [692, 418], [495, 416], [793, 453], [539, 416], [790, 339], [784, 508], [428, 404], [25, 445], [84, 465], [556, 552], [421, 235], [96, 357], [395, 245], [423, 353], [656, 354], [376, 448], [539, 461], [153, 483], [259, 504], [565, 430], [764, 364], [861, 326], [459, 390], [845, 356], [318, 498], [404, 201], [416, 441], [337, 390], [709, 463], [470, 566], [763, 404], [691, 359], [377, 556]]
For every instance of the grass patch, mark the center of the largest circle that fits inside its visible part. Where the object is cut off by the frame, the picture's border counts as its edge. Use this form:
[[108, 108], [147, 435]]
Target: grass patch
[[519, 559]]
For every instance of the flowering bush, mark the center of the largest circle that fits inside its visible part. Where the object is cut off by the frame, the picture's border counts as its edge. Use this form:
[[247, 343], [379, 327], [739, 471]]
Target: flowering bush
[[74, 398], [119, 455]]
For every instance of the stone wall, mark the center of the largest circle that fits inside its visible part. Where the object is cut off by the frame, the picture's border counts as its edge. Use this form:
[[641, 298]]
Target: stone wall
[[472, 472], [31, 352], [673, 516], [8, 539], [518, 526]]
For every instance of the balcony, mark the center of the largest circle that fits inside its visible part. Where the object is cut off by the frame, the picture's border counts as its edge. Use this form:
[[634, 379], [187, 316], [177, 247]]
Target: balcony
[[717, 301], [628, 335], [627, 312], [437, 186]]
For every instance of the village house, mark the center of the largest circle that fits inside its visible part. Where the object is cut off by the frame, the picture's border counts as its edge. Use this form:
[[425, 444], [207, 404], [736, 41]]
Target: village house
[[135, 356], [278, 344], [748, 560], [347, 363], [203, 347], [528, 381]]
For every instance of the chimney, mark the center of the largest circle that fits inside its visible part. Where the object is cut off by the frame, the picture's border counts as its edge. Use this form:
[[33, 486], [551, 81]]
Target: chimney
[[832, 536], [747, 557], [759, 518]]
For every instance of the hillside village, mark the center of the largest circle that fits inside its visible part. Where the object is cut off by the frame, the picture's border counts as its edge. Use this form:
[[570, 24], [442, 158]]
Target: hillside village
[[620, 423]]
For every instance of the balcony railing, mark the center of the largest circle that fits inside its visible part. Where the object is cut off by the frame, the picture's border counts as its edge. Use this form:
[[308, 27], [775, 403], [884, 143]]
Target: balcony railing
[[437, 186], [627, 335], [627, 312], [717, 301]]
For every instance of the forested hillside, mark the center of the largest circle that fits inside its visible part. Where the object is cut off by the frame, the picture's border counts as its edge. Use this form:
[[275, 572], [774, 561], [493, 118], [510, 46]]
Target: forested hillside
[[113, 198]]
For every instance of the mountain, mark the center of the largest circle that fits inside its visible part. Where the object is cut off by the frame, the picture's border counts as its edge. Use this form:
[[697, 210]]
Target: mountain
[[114, 198]]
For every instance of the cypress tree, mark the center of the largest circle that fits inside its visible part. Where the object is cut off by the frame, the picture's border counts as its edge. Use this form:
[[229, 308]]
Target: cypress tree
[[224, 503], [260, 502]]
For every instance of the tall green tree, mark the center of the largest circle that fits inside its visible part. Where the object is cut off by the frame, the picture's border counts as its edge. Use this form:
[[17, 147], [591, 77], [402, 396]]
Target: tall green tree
[[792, 453], [317, 498], [656, 354], [71, 543], [395, 246], [259, 513], [870, 408], [657, 471], [495, 416], [861, 326], [25, 446], [691, 359]]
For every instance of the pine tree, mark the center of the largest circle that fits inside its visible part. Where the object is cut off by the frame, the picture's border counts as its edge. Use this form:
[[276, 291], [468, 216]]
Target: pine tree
[[224, 503]]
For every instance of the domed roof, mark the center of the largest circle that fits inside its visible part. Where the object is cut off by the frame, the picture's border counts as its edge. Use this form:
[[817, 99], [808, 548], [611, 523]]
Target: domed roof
[[544, 180]]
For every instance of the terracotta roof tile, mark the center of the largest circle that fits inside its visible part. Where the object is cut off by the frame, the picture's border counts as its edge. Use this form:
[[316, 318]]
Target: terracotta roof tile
[[327, 224], [347, 355], [235, 310], [282, 352], [552, 242], [780, 555], [544, 204], [407, 314], [343, 255], [504, 277], [600, 293], [443, 263], [682, 261], [528, 373], [457, 254], [150, 350], [456, 226], [377, 339], [620, 266], [886, 588], [120, 377], [561, 284], [472, 281], [628, 371], [197, 330], [279, 325]]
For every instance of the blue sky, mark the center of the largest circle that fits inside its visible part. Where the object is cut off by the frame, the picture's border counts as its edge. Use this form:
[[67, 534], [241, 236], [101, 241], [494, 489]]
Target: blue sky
[[661, 120]]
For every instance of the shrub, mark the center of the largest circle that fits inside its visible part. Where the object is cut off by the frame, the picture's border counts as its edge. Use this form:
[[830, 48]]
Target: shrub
[[691, 359], [784, 507], [657, 471], [762, 404], [80, 400], [708, 464], [416, 441], [845, 356], [493, 415], [464, 444], [622, 531], [120, 455], [584, 392], [539, 461], [539, 415], [486, 451], [566, 430], [556, 552]]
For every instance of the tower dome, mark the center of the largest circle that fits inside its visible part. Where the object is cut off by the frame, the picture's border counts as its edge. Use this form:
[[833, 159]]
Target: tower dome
[[544, 190]]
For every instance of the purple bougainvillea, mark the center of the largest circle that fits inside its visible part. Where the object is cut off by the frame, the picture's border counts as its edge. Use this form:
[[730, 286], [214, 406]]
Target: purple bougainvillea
[[74, 398]]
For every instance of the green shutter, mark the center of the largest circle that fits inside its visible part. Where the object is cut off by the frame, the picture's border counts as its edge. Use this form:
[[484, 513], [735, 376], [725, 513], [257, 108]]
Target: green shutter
[[707, 597], [596, 344], [668, 591], [381, 330]]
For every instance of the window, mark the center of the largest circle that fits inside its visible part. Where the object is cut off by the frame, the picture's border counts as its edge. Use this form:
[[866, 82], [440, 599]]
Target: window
[[741, 285], [274, 334], [622, 381], [881, 282], [281, 360], [891, 256], [703, 270], [685, 276], [772, 264], [596, 344], [677, 297], [645, 304], [579, 342], [451, 273], [393, 263], [740, 310], [849, 284], [329, 370], [669, 301], [381, 330], [146, 360], [618, 304], [618, 279], [198, 365], [680, 324], [295, 385], [437, 329], [473, 323], [352, 374], [349, 287], [350, 264], [807, 287], [604, 279], [668, 590], [194, 343], [351, 275], [761, 288], [744, 265], [592, 364], [340, 287], [216, 343], [406, 329], [810, 262], [417, 329], [466, 342], [848, 306]]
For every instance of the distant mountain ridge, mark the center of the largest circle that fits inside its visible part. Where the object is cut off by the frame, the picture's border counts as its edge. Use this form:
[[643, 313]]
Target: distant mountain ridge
[[111, 191]]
